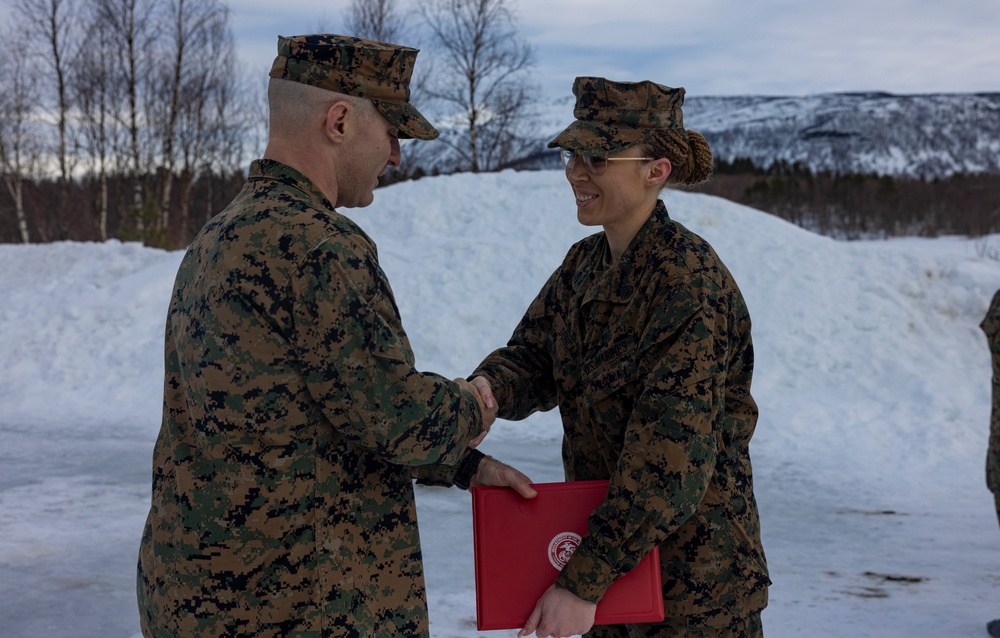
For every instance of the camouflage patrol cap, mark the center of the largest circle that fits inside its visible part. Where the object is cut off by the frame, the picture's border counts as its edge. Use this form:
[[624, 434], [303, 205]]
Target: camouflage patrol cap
[[354, 66], [613, 116]]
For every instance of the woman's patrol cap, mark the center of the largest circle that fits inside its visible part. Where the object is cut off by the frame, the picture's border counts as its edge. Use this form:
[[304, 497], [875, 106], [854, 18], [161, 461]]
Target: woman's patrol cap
[[613, 116]]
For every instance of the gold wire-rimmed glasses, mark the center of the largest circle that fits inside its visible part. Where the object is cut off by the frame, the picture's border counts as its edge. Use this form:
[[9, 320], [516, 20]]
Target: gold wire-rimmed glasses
[[595, 164]]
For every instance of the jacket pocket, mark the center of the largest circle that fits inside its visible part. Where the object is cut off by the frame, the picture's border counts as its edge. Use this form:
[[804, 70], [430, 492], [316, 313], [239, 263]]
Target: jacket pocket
[[610, 369]]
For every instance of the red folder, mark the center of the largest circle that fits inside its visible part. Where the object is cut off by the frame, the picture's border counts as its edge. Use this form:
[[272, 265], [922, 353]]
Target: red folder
[[521, 545]]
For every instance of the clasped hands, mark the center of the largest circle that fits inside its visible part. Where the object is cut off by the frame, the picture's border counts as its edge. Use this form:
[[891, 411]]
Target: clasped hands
[[480, 388], [492, 472]]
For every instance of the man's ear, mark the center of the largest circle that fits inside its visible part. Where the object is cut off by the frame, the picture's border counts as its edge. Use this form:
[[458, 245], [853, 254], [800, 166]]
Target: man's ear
[[335, 125], [659, 171]]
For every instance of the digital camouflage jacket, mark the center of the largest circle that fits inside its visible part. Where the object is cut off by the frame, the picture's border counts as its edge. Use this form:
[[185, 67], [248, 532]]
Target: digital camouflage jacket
[[991, 326], [282, 500], [649, 361]]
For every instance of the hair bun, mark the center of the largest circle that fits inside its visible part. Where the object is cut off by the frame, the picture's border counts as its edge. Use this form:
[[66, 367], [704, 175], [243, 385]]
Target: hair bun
[[699, 160]]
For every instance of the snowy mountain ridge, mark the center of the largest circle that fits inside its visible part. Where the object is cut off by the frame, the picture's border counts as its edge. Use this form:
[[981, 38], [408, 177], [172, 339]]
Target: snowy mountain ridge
[[931, 135]]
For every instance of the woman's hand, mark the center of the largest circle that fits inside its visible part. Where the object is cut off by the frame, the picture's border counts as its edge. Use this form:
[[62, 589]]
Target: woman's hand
[[559, 613]]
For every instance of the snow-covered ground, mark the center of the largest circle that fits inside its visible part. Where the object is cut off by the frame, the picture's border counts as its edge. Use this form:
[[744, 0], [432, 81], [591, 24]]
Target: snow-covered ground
[[872, 377]]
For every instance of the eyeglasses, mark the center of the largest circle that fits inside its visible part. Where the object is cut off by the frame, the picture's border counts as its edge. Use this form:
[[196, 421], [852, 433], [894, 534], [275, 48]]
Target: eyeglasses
[[595, 164]]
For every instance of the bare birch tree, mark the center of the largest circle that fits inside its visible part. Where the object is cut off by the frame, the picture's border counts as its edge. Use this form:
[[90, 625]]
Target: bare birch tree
[[96, 94], [49, 34], [209, 113], [19, 142], [131, 25], [184, 81], [236, 118], [376, 20], [483, 73]]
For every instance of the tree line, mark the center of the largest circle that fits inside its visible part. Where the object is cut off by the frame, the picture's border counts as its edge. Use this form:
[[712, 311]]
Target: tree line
[[134, 119], [862, 205]]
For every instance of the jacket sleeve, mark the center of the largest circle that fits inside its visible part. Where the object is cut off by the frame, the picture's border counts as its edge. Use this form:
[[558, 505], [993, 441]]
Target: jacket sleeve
[[359, 368], [991, 327], [521, 374], [671, 442], [438, 475]]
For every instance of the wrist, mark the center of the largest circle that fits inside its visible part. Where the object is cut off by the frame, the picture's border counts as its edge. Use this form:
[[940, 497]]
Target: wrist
[[467, 469]]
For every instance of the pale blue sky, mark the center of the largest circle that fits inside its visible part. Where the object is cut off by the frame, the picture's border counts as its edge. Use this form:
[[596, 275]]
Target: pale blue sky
[[711, 47], [717, 47]]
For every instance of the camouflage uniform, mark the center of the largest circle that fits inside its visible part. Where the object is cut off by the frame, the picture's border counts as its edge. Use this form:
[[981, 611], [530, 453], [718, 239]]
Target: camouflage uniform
[[649, 360], [991, 326], [293, 423]]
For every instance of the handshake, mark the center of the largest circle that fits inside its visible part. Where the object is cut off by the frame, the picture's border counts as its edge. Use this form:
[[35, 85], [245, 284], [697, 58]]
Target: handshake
[[480, 388], [491, 471]]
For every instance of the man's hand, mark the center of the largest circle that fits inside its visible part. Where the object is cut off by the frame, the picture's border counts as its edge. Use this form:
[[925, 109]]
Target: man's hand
[[485, 394], [492, 472], [559, 613], [480, 388]]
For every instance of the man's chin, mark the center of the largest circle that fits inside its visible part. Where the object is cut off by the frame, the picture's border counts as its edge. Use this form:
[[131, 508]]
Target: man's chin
[[360, 202]]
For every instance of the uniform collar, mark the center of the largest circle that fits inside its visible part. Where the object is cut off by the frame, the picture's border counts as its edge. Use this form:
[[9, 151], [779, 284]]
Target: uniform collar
[[617, 282], [272, 170]]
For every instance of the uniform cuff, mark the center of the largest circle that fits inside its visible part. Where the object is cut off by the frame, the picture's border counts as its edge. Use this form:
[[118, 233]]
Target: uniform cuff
[[586, 576], [467, 469], [476, 427]]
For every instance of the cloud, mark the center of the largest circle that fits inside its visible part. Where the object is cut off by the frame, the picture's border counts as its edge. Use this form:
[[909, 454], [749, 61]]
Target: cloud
[[718, 47], [777, 46]]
